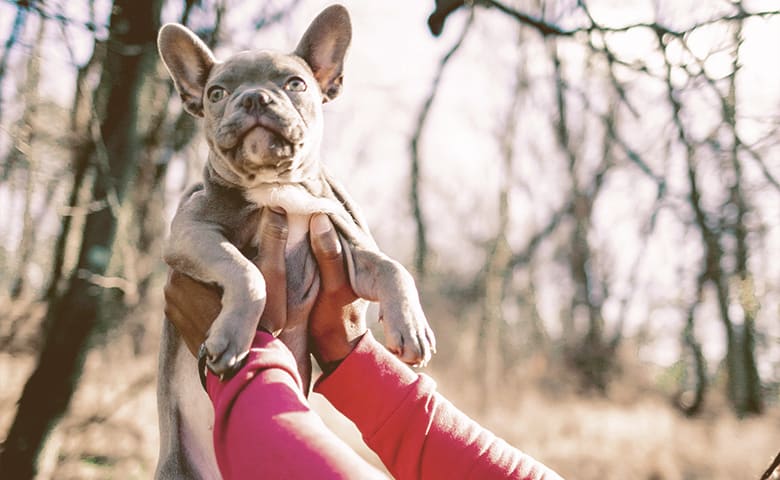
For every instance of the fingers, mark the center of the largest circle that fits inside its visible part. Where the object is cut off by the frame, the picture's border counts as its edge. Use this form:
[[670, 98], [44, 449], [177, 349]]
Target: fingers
[[191, 306], [328, 252], [191, 336], [270, 261], [273, 240], [198, 302]]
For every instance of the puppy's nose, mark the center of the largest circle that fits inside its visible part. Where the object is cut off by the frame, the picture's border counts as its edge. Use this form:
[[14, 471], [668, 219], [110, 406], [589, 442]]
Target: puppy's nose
[[255, 100]]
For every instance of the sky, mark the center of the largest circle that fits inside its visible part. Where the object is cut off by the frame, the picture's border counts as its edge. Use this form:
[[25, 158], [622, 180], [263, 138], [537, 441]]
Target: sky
[[390, 67]]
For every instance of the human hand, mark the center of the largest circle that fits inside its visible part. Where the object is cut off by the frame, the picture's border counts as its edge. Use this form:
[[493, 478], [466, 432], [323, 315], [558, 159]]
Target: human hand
[[336, 322], [192, 306]]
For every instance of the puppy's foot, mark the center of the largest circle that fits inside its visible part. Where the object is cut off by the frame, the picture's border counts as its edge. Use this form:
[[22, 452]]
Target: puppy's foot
[[223, 355], [407, 333], [229, 339]]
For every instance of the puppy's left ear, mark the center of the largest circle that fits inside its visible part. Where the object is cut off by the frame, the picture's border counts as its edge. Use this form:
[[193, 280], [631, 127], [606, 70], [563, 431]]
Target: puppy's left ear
[[324, 47]]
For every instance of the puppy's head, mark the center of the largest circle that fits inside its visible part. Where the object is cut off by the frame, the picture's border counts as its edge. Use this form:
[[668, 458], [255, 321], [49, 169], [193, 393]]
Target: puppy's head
[[262, 109]]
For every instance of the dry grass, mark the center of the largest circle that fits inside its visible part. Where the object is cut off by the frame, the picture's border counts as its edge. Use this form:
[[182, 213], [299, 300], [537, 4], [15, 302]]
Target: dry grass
[[110, 431], [594, 439]]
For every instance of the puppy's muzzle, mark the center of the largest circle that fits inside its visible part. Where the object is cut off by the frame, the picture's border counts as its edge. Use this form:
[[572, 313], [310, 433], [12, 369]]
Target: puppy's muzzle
[[255, 101]]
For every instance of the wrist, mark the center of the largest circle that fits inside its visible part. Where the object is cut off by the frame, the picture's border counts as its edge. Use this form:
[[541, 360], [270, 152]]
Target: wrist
[[330, 350]]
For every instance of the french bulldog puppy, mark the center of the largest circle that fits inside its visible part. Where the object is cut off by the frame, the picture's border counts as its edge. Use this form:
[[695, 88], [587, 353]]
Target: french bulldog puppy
[[263, 121]]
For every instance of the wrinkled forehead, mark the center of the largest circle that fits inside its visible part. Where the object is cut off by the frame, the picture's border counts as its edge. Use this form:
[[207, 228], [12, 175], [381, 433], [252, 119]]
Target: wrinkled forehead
[[258, 65]]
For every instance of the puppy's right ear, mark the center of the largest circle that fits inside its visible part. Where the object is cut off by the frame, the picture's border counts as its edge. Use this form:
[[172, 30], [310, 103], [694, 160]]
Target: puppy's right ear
[[189, 62]]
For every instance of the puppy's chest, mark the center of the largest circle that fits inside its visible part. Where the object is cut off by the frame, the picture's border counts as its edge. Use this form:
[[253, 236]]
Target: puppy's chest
[[299, 203]]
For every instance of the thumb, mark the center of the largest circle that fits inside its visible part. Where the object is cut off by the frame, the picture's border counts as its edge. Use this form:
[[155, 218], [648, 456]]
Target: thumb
[[327, 250], [273, 227], [271, 262]]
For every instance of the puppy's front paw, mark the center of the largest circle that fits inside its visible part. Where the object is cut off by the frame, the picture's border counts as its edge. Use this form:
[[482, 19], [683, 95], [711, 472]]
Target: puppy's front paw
[[407, 333], [229, 339]]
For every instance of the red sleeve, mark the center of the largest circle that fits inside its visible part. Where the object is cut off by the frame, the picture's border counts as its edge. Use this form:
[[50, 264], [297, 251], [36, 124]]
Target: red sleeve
[[416, 432], [264, 428]]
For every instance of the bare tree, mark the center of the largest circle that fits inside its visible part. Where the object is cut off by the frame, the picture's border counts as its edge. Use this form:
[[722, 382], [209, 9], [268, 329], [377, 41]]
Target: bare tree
[[421, 237], [73, 316], [499, 253], [24, 150], [10, 43], [694, 405], [749, 383], [83, 124], [732, 286], [740, 364], [592, 356]]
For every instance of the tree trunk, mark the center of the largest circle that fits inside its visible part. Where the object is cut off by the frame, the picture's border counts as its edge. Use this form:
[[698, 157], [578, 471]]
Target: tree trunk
[[591, 357], [82, 117], [748, 381], [750, 399], [13, 37], [711, 240], [73, 316], [713, 253], [539, 335], [691, 407], [497, 264], [421, 237], [25, 148]]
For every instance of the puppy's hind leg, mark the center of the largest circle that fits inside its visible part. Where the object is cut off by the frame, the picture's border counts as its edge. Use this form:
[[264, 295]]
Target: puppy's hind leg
[[185, 415]]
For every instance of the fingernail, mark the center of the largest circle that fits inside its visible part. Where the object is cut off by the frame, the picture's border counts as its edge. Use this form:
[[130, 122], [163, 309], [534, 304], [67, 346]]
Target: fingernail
[[277, 210], [320, 224]]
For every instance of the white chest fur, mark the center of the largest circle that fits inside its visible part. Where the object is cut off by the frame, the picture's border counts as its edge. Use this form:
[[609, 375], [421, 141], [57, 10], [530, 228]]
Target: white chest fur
[[297, 202]]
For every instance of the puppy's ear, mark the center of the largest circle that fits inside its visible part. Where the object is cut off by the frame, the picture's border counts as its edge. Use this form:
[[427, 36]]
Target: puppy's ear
[[189, 62], [324, 47]]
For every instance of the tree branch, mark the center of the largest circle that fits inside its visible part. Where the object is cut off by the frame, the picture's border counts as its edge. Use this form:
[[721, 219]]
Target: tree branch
[[421, 248], [522, 258]]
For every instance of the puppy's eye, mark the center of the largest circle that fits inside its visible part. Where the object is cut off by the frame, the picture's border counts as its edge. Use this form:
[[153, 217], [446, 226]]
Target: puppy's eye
[[295, 84], [216, 94]]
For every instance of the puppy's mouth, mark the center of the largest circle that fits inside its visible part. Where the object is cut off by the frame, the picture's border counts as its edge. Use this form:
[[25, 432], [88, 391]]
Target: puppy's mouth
[[259, 141]]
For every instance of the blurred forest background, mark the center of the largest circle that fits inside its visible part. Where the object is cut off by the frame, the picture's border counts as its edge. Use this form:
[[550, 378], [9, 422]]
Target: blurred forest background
[[588, 193]]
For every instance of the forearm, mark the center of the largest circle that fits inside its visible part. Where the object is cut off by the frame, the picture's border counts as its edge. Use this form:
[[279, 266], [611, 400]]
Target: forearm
[[264, 427], [415, 431]]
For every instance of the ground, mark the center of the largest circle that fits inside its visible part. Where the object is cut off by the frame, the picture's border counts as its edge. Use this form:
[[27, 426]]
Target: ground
[[110, 430]]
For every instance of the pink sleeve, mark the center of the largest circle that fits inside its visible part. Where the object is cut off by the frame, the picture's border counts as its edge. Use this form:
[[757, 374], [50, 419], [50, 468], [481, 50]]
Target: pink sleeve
[[264, 428], [416, 432]]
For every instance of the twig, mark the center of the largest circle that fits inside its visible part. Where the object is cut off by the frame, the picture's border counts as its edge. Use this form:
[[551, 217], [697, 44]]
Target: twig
[[522, 258], [19, 21], [546, 28], [550, 29], [414, 146], [772, 467], [543, 27], [726, 108], [271, 18], [40, 8]]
